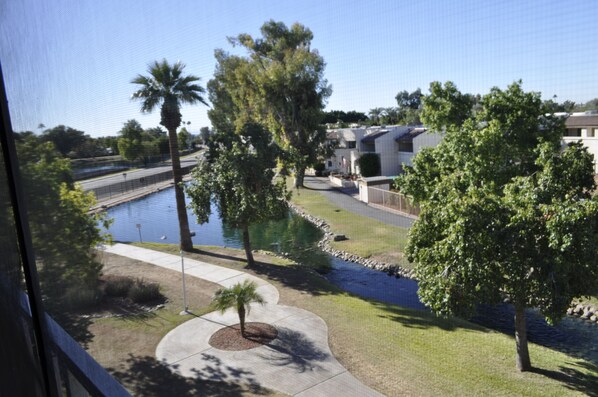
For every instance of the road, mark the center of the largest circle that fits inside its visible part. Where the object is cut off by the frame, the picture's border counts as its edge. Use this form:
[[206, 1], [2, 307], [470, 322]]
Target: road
[[347, 202], [114, 179]]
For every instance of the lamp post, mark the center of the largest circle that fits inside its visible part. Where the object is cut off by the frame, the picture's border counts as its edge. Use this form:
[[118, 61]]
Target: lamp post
[[138, 226], [185, 305]]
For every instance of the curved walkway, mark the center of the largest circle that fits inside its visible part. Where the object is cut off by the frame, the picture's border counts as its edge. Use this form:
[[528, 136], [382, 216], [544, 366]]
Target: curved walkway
[[298, 362]]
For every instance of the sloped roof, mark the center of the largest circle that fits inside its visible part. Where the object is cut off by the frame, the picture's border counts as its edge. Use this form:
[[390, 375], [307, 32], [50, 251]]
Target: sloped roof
[[407, 136], [582, 121], [373, 136]]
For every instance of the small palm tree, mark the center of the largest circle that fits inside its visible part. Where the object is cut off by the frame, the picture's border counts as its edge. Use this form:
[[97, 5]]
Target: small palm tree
[[166, 87], [240, 296]]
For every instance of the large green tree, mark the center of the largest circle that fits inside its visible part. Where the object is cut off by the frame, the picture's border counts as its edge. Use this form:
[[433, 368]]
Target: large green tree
[[168, 88], [282, 86], [505, 213], [65, 139], [64, 235], [238, 174]]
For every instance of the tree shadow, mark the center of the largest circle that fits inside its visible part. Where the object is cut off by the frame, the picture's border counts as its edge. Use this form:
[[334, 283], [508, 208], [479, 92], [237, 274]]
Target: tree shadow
[[146, 376], [574, 377], [76, 326], [424, 319], [292, 349], [295, 276]]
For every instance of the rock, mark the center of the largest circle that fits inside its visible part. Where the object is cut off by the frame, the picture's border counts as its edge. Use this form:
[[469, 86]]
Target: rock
[[340, 237], [594, 318], [570, 311], [578, 310]]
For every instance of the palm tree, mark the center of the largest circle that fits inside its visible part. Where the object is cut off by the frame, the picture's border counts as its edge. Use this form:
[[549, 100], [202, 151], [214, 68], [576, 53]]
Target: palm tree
[[166, 87], [238, 296]]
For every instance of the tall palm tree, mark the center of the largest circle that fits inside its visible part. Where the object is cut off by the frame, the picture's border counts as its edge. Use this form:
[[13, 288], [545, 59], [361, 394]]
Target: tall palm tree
[[238, 296], [166, 87]]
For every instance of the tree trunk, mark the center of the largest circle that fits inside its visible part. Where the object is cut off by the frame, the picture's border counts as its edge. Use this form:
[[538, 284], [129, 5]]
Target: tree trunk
[[242, 319], [299, 176], [185, 235], [523, 361], [247, 246]]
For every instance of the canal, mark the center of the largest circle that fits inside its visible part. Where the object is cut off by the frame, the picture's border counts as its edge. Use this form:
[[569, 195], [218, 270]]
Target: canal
[[157, 218]]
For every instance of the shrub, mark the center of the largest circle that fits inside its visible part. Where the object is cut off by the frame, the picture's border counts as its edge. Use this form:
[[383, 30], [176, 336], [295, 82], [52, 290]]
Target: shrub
[[319, 168], [80, 297], [117, 286], [141, 292], [369, 164]]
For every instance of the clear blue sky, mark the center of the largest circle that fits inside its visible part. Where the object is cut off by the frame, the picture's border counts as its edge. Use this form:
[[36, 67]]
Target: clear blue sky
[[71, 61]]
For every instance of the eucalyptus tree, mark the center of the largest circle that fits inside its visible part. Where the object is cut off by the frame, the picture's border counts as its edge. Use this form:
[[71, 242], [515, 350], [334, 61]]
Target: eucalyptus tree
[[282, 86], [168, 88], [505, 213]]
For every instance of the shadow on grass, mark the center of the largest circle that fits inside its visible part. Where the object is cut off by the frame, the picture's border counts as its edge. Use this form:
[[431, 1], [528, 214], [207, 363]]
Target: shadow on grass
[[579, 376], [146, 376], [292, 349], [423, 319], [294, 276], [76, 326]]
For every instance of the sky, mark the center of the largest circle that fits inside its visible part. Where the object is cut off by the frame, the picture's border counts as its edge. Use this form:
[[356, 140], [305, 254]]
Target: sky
[[70, 62]]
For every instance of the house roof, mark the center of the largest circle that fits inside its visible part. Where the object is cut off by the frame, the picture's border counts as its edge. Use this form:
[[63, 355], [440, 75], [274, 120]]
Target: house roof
[[407, 136], [582, 121], [373, 136]]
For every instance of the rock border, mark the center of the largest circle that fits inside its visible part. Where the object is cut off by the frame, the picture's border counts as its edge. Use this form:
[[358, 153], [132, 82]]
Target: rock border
[[585, 312], [324, 244]]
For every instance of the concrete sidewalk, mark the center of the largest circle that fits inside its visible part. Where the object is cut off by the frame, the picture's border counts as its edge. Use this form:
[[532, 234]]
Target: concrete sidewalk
[[298, 362], [348, 202]]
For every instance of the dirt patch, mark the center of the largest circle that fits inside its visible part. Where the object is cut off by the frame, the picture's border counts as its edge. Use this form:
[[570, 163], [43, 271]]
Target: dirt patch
[[230, 338]]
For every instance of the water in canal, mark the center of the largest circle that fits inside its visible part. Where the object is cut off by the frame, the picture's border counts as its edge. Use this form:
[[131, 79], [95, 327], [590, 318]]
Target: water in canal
[[158, 219]]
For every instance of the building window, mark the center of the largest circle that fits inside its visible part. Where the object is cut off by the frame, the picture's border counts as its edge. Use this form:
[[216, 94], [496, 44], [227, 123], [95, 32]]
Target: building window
[[350, 144], [592, 132], [406, 147], [329, 163], [573, 132]]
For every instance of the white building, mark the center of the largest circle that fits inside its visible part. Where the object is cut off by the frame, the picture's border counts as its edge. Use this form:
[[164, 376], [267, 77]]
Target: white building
[[395, 145], [584, 127]]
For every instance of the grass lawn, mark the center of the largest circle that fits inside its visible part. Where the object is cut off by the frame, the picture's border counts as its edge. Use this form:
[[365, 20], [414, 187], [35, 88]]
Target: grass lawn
[[368, 238], [399, 351], [126, 345]]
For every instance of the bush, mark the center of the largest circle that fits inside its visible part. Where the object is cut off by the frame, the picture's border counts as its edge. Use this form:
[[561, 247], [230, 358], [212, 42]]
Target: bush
[[319, 168], [117, 286], [141, 292], [80, 297], [369, 164]]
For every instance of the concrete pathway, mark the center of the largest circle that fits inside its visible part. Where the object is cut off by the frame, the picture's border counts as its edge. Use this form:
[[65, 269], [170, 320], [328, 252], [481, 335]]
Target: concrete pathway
[[298, 362], [346, 200]]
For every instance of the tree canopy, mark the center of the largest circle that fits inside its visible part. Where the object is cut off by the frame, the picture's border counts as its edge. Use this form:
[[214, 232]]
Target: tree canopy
[[504, 212], [64, 235], [281, 85], [238, 174]]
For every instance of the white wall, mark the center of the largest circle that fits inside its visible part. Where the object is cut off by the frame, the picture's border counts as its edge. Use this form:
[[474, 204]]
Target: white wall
[[590, 143]]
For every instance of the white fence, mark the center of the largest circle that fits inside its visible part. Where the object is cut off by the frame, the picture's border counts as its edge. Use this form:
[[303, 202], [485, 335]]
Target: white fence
[[392, 200]]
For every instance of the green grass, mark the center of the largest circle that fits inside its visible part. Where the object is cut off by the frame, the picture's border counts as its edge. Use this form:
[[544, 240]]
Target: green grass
[[399, 351], [368, 238]]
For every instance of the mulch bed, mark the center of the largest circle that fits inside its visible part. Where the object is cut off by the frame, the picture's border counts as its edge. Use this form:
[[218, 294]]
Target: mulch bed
[[256, 334]]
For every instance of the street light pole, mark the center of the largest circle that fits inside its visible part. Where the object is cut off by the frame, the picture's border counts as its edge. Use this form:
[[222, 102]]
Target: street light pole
[[138, 226], [186, 310]]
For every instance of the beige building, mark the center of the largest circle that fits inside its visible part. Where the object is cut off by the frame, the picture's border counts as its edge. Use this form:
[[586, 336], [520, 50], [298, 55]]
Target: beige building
[[583, 127]]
